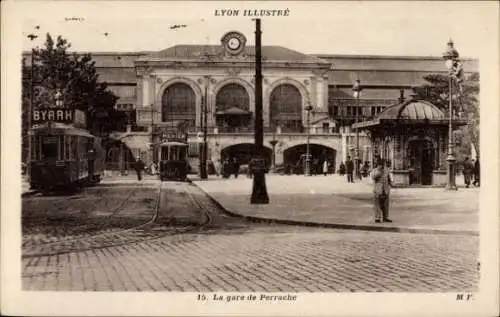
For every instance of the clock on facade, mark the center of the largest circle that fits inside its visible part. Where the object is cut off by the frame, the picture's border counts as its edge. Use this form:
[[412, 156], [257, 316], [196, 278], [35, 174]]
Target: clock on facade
[[233, 42]]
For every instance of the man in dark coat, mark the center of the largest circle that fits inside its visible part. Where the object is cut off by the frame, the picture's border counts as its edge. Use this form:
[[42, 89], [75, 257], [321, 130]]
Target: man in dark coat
[[468, 169], [476, 172], [349, 164], [139, 167], [381, 190], [236, 167]]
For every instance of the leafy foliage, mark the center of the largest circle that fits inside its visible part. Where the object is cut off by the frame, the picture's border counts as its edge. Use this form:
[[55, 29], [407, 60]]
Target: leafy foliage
[[77, 78], [464, 100]]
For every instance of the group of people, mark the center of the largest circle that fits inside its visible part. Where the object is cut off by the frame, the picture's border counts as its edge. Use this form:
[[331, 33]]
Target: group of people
[[320, 166], [228, 167], [348, 168]]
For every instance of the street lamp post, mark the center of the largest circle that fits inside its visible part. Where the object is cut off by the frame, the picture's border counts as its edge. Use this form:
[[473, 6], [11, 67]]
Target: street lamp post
[[308, 155], [356, 91], [153, 147], [204, 172], [273, 143], [259, 189], [451, 59], [203, 123], [30, 109]]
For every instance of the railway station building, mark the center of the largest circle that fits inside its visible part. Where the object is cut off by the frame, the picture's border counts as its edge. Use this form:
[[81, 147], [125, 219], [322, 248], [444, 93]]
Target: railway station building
[[177, 86]]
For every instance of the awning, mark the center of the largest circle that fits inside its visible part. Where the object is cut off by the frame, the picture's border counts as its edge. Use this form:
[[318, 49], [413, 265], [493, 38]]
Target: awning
[[60, 128], [173, 143], [233, 111]]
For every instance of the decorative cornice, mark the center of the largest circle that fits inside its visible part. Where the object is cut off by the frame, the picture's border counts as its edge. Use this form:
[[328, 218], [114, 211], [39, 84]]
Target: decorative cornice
[[143, 70], [321, 72], [233, 71], [237, 62]]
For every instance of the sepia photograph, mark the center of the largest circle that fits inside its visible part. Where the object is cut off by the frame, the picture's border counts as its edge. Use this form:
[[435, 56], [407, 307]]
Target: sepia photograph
[[250, 158]]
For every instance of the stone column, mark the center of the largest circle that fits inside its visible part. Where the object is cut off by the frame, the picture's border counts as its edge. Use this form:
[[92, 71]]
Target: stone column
[[325, 92], [211, 107], [313, 93], [145, 91], [139, 97], [344, 147], [151, 90]]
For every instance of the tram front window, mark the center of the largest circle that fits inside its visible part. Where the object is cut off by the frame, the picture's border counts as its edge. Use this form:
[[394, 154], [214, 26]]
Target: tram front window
[[50, 148], [173, 153]]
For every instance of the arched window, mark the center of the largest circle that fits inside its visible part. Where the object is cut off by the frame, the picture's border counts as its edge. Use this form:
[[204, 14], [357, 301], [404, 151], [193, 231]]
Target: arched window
[[233, 105], [232, 95], [179, 103], [286, 107]]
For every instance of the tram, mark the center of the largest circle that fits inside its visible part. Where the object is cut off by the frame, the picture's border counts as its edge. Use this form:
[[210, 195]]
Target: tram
[[63, 157], [174, 165]]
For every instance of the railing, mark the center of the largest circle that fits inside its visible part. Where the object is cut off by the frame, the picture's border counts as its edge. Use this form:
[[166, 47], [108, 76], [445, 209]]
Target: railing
[[245, 130]]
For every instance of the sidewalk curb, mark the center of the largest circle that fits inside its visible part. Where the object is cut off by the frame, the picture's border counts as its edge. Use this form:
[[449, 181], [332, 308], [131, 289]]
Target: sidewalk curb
[[335, 225]]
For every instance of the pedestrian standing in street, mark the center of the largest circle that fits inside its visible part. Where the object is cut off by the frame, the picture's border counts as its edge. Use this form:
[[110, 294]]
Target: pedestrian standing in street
[[365, 169], [250, 167], [476, 172], [468, 169], [153, 168], [342, 169], [350, 169], [381, 190], [139, 167], [226, 169], [236, 167], [325, 167]]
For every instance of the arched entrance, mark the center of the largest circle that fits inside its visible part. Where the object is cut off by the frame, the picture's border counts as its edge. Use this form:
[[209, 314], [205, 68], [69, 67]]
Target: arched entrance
[[233, 104], [243, 152], [421, 162], [286, 108], [294, 156], [179, 104]]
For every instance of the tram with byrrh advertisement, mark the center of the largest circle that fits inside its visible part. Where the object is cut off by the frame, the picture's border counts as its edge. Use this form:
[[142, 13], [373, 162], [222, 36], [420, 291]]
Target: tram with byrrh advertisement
[[174, 164], [64, 155]]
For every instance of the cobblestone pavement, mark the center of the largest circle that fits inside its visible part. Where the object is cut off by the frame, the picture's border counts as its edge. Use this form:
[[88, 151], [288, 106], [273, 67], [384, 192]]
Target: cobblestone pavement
[[56, 223], [191, 246]]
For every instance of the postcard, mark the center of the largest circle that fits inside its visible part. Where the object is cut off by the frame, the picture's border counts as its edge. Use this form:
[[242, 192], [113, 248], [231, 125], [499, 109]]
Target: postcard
[[254, 158]]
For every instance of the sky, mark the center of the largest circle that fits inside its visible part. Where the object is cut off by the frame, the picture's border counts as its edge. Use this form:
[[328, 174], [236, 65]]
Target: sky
[[357, 27]]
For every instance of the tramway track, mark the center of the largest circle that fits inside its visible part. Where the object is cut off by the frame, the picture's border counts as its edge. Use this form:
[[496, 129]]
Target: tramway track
[[86, 242], [146, 231], [58, 206]]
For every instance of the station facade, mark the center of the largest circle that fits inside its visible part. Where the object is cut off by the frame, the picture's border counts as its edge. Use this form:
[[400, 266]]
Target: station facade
[[178, 86]]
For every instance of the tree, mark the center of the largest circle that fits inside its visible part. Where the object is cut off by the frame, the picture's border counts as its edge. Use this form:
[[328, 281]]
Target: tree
[[464, 101], [77, 78]]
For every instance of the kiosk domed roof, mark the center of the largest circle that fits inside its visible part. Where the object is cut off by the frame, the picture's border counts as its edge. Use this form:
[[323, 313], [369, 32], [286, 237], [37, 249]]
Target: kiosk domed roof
[[413, 110]]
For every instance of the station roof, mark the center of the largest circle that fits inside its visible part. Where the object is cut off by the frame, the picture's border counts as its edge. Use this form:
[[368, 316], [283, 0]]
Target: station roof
[[197, 52]]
